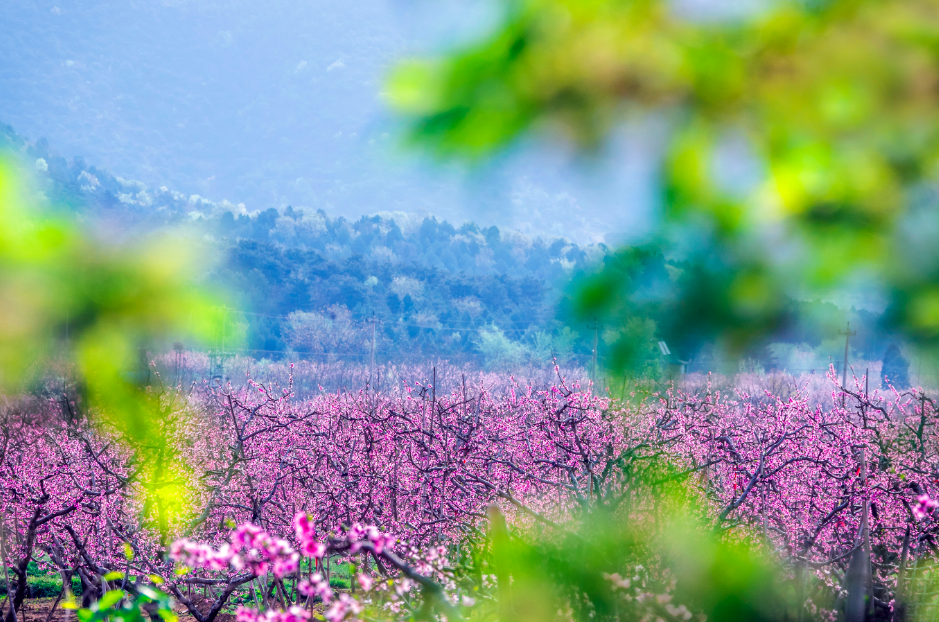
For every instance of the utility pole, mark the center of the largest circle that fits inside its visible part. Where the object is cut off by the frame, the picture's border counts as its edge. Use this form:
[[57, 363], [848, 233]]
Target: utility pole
[[178, 347], [218, 355], [371, 369], [848, 333], [858, 579], [866, 532], [595, 327], [224, 326]]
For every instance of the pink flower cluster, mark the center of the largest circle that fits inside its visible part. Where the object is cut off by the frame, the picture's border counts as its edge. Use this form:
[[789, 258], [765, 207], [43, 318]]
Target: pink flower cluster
[[316, 586], [365, 582], [293, 614], [345, 604], [200, 555], [358, 534], [306, 534], [924, 506], [251, 547], [256, 550]]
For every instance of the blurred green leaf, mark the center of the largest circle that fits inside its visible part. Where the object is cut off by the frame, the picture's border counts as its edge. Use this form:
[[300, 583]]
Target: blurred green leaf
[[110, 599], [832, 103], [91, 309], [610, 566], [168, 615]]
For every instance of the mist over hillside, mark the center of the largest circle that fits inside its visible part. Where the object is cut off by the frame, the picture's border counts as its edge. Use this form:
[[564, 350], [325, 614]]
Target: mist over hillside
[[302, 282], [305, 284], [279, 103]]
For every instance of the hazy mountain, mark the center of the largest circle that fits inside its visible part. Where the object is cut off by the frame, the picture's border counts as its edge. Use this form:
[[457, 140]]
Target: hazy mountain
[[297, 277], [278, 103]]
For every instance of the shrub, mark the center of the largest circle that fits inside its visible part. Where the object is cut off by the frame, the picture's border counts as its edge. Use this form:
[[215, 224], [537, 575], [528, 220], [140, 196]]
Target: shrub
[[45, 586], [339, 583]]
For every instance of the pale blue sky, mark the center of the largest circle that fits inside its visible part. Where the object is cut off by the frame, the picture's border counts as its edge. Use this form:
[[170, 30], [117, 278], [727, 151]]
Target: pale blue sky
[[278, 102]]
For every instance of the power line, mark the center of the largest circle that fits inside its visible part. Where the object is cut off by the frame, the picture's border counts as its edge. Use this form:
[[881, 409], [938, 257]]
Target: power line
[[848, 333], [442, 326], [371, 367]]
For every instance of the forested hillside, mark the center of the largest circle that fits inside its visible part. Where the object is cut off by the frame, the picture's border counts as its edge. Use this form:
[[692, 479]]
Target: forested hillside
[[303, 281], [310, 284]]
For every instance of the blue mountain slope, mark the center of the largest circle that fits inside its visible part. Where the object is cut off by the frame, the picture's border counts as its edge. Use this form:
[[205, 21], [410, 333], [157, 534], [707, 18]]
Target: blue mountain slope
[[277, 103], [438, 288]]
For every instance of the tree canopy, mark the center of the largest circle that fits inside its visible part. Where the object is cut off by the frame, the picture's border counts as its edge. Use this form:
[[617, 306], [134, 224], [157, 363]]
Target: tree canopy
[[800, 151]]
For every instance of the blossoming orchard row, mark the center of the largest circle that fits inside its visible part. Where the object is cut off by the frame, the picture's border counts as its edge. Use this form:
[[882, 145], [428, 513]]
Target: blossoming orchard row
[[259, 490]]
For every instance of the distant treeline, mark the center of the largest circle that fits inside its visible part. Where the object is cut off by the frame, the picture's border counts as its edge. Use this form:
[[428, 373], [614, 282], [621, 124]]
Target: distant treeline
[[303, 282], [437, 290]]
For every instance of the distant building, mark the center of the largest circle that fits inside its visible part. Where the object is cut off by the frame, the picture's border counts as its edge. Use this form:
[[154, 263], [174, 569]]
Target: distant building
[[673, 365]]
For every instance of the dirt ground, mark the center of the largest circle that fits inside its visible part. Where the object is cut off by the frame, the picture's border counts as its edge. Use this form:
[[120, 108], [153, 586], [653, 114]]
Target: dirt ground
[[203, 606], [37, 610]]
